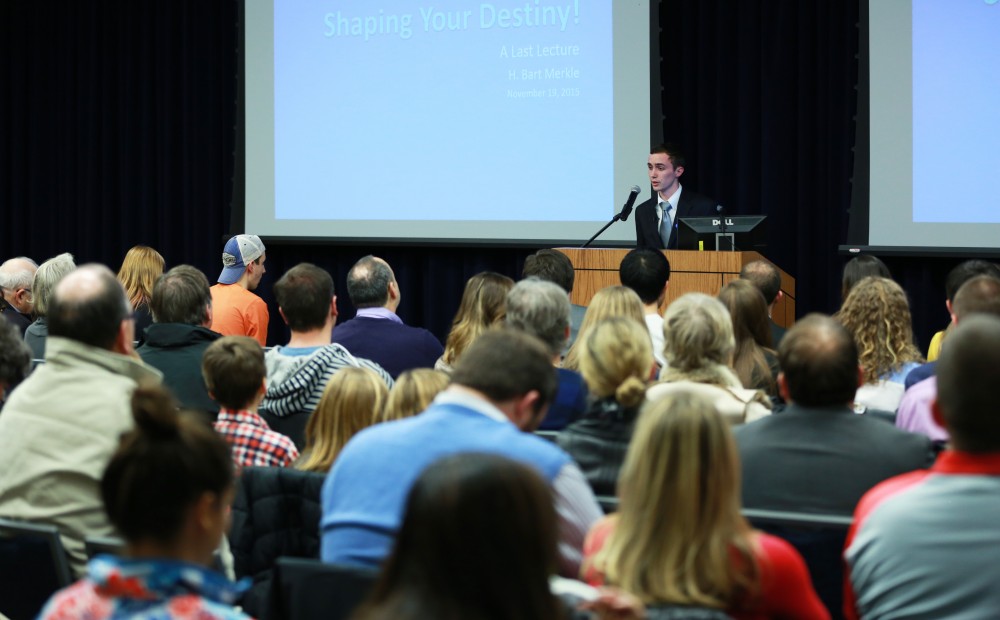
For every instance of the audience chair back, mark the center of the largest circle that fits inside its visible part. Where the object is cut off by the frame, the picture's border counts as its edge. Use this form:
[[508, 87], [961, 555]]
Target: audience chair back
[[311, 590], [820, 541], [33, 566], [548, 435], [292, 426], [276, 513], [681, 612]]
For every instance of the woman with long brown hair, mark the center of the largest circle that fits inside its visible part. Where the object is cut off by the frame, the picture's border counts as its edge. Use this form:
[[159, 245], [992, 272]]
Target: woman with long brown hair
[[754, 359], [483, 306]]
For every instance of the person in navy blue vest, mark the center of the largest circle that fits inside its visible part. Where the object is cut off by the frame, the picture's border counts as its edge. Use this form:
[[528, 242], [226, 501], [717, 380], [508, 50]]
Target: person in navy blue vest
[[376, 332], [541, 308], [501, 388]]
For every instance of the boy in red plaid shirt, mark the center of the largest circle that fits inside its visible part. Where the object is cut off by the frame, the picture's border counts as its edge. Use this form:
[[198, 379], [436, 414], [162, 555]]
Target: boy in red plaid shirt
[[234, 371]]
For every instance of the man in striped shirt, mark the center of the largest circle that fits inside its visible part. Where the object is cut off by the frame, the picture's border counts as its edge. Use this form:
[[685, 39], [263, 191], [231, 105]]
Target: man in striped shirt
[[233, 367], [298, 372]]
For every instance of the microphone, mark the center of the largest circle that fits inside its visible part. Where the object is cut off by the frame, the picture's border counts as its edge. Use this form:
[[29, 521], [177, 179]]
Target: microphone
[[719, 209], [620, 217], [627, 209]]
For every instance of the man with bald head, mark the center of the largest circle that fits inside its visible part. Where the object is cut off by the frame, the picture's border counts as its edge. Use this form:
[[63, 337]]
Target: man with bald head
[[376, 332], [924, 544], [15, 285], [818, 456], [60, 427]]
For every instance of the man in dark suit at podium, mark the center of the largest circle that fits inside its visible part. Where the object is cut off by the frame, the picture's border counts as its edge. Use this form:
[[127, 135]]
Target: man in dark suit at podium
[[656, 219]]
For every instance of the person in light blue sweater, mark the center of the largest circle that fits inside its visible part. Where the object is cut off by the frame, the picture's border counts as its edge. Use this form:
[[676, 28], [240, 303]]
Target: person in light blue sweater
[[501, 387]]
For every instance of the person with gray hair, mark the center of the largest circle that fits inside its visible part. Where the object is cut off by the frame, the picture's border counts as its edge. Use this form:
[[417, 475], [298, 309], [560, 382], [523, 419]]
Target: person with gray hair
[[699, 345], [182, 313], [48, 275], [60, 427], [541, 308], [554, 266], [376, 332], [17, 303]]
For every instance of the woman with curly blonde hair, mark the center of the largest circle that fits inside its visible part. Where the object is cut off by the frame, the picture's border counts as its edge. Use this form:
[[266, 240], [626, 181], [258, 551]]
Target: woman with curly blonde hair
[[140, 269], [616, 361], [610, 301], [483, 305], [352, 401], [678, 537], [877, 315]]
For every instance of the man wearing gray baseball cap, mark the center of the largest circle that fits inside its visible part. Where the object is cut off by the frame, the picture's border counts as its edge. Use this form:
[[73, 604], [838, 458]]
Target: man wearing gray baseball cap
[[235, 310]]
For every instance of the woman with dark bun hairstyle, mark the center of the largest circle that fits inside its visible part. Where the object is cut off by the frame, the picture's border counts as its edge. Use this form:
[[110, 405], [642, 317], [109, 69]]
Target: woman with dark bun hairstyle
[[167, 490]]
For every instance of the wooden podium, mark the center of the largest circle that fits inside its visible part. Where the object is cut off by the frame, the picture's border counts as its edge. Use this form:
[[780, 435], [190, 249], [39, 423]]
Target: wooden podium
[[704, 272]]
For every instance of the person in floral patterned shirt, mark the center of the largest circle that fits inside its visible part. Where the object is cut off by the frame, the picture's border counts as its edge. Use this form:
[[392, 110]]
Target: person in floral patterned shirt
[[167, 490]]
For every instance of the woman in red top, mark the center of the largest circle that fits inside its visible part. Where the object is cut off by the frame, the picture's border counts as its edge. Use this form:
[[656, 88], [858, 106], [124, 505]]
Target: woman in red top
[[679, 537]]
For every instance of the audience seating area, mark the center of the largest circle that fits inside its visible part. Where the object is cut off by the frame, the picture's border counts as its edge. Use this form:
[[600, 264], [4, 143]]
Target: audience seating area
[[275, 538]]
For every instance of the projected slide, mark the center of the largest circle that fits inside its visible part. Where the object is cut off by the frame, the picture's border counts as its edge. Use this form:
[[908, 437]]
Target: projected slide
[[934, 129], [443, 110], [956, 120]]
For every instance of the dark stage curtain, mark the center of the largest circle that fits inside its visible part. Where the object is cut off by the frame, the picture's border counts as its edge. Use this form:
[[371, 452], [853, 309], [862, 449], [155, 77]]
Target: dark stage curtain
[[761, 93], [117, 128]]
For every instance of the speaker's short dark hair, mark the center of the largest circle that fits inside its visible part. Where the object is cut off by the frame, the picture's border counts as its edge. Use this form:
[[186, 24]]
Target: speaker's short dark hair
[[550, 265], [92, 317], [673, 151], [645, 271], [304, 294], [181, 295], [819, 359]]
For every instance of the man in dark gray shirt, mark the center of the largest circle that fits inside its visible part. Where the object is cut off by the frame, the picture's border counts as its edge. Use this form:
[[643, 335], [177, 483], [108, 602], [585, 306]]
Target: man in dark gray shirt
[[818, 456]]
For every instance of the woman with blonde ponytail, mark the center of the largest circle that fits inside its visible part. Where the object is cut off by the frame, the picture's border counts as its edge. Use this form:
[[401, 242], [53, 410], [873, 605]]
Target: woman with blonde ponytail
[[616, 361]]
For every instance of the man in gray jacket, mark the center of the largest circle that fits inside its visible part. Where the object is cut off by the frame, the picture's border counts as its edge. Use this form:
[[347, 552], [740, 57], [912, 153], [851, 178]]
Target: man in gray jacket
[[60, 427]]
